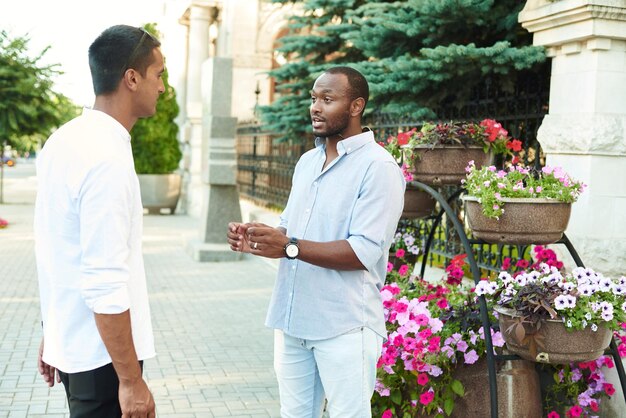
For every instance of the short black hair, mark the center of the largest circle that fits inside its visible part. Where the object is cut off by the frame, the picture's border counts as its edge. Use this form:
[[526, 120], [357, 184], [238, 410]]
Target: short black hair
[[117, 49], [356, 81]]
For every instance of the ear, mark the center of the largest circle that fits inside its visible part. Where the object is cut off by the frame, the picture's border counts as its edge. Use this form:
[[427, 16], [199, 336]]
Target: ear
[[356, 107], [130, 79]]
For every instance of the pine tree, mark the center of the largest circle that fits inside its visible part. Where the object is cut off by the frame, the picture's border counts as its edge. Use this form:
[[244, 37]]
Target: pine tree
[[417, 55]]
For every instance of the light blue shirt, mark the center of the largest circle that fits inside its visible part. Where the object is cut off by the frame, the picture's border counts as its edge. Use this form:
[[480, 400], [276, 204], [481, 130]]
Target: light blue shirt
[[358, 197]]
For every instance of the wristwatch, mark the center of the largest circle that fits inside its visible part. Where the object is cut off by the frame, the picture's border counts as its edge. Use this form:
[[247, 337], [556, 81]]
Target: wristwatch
[[291, 249]]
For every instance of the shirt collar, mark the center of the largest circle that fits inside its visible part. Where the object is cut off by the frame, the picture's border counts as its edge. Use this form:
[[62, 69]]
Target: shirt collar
[[108, 120], [350, 144]]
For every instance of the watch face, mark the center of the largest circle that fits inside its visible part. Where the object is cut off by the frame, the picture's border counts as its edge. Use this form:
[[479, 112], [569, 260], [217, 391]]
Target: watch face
[[291, 250]]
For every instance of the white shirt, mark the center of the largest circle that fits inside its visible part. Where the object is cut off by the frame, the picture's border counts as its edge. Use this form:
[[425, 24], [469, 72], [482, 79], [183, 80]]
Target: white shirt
[[88, 227]]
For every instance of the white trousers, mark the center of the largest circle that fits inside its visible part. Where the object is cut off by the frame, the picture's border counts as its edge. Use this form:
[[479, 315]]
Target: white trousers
[[341, 369]]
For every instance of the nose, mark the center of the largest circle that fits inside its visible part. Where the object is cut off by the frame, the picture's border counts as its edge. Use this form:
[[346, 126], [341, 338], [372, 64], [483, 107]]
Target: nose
[[315, 107], [161, 87]]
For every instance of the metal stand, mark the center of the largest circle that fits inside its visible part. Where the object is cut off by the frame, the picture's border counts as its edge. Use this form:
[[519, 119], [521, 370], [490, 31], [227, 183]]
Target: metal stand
[[467, 246]]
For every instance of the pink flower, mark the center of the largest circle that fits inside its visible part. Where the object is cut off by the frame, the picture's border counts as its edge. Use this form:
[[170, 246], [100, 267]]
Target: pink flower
[[387, 414], [471, 357], [442, 303], [553, 414], [426, 398], [389, 267], [422, 379], [575, 411], [403, 270], [594, 406], [400, 253]]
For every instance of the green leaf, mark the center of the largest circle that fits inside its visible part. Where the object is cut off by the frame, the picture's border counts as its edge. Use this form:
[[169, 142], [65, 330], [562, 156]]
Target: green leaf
[[448, 406], [457, 387]]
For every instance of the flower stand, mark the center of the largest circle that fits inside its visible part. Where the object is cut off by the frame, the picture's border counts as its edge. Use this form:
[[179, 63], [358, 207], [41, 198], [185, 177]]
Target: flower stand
[[491, 359]]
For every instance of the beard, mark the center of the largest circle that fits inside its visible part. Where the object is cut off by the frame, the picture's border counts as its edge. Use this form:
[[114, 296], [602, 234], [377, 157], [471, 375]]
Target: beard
[[334, 126]]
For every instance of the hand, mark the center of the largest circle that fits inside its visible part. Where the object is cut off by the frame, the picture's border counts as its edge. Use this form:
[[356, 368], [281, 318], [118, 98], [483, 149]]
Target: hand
[[266, 241], [237, 238], [45, 369], [136, 400]]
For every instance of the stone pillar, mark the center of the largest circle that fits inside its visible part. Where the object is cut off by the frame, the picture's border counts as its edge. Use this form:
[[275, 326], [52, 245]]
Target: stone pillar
[[585, 130], [220, 203], [199, 20]]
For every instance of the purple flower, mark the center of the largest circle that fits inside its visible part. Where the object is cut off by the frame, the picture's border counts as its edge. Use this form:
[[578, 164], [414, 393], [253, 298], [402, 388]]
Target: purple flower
[[471, 357]]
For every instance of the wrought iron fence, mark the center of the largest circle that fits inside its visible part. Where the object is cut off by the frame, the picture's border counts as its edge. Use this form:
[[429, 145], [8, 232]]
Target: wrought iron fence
[[265, 167]]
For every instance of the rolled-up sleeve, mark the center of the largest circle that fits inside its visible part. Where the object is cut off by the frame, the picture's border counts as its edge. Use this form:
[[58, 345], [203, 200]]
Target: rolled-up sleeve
[[104, 204], [376, 212]]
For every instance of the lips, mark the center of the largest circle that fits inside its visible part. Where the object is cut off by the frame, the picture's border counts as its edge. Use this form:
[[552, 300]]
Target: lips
[[316, 122]]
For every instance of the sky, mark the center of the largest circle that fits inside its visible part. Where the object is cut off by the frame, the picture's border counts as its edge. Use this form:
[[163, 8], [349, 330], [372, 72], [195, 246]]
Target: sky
[[69, 27]]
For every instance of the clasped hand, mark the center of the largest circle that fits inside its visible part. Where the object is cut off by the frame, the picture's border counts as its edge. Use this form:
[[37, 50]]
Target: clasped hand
[[257, 238]]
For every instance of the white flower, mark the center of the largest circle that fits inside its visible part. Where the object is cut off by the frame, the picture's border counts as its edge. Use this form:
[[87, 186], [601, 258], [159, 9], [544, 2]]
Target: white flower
[[606, 284], [568, 286], [561, 302], [585, 290], [521, 280], [624, 306], [607, 315], [579, 274], [544, 268], [534, 275], [505, 276], [569, 323], [606, 306], [588, 316], [619, 290], [571, 301], [584, 324], [621, 281], [594, 327], [482, 288]]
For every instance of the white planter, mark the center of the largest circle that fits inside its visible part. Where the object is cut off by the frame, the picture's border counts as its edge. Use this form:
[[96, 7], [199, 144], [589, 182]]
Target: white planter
[[159, 191]]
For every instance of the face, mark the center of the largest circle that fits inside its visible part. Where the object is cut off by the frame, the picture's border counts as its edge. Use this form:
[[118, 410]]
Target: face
[[151, 85], [330, 105]]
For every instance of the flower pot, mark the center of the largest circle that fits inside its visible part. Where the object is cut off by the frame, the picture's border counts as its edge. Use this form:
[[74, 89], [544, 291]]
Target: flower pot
[[524, 221], [445, 164], [519, 393], [549, 341], [159, 191], [417, 203]]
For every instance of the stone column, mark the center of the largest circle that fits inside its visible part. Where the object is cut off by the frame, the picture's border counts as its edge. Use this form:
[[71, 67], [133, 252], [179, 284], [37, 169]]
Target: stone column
[[199, 20], [220, 203], [585, 130]]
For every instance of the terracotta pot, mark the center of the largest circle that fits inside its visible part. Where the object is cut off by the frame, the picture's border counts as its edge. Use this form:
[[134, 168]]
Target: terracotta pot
[[551, 342], [524, 221], [519, 393], [446, 164], [417, 203]]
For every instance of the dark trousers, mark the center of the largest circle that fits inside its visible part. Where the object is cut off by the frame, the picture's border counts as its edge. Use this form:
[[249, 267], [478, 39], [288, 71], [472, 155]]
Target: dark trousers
[[94, 393]]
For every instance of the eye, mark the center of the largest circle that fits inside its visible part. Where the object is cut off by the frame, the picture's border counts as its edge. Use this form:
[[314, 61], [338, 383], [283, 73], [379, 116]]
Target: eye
[[327, 100], [312, 99]]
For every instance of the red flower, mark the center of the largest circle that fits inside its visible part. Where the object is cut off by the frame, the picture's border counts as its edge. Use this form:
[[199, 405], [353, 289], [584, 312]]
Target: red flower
[[553, 414], [594, 406], [387, 414], [514, 145], [608, 389], [422, 379], [442, 303]]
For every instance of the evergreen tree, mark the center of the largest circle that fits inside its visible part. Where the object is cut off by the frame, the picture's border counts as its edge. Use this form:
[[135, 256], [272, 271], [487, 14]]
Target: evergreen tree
[[417, 55]]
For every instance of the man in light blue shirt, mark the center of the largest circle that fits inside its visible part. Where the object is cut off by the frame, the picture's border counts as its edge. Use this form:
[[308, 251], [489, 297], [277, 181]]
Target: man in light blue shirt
[[333, 238]]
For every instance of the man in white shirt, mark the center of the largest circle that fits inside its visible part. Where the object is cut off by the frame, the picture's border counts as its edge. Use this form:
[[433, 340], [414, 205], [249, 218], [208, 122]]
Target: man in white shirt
[[88, 226]]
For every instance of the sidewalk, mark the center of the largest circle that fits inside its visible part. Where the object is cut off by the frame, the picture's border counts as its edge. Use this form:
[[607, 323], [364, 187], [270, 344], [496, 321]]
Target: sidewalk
[[214, 355]]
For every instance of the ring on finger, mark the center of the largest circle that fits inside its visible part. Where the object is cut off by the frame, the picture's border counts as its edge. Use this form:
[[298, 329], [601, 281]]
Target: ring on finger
[[255, 245]]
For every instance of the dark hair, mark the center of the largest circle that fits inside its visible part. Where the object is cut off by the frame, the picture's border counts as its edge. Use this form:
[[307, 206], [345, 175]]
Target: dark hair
[[356, 81], [117, 49]]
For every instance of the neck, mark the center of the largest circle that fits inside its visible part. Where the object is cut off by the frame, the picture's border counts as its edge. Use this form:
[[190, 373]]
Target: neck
[[332, 141], [117, 109]]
